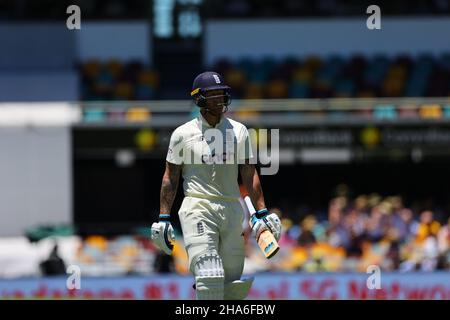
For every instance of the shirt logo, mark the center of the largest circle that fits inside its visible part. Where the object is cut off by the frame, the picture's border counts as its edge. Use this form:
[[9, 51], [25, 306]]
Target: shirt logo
[[200, 228], [221, 158]]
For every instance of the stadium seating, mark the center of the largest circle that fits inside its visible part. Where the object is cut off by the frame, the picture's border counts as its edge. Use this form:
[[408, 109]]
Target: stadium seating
[[291, 77], [336, 76], [117, 80]]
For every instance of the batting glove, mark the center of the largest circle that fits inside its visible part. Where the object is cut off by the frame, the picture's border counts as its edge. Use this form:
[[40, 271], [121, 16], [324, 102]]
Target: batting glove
[[262, 221], [162, 234]]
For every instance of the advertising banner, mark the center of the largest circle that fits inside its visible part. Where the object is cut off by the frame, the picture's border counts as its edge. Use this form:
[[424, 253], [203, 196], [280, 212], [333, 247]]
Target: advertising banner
[[392, 286]]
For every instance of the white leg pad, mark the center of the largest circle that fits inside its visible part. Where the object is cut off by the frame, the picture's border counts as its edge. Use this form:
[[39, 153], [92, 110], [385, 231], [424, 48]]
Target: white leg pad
[[238, 290], [209, 277]]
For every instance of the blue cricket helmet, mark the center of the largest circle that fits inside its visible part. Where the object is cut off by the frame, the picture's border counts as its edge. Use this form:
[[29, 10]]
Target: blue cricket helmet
[[207, 81]]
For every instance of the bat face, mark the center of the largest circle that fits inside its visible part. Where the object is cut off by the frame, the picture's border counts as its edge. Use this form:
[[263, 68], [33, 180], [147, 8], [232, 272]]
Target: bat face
[[268, 244]]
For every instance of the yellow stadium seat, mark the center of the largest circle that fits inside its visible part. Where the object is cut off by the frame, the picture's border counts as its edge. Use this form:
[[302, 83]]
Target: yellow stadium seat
[[431, 111], [313, 62], [137, 114], [303, 75], [180, 257], [277, 89], [149, 77], [124, 90], [393, 87], [235, 78], [114, 67], [98, 242], [244, 113], [253, 91], [91, 68]]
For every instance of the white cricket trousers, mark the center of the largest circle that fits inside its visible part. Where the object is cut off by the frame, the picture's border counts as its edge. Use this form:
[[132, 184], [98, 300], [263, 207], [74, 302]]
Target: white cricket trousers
[[214, 225]]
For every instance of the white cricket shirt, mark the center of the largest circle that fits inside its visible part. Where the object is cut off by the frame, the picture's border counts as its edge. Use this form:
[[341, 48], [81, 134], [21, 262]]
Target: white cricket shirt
[[210, 156]]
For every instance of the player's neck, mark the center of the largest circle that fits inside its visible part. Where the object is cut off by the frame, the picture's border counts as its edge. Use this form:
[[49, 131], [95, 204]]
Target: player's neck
[[210, 118]]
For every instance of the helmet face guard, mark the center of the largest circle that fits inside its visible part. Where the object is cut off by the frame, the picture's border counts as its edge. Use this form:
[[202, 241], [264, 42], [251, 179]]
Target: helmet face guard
[[209, 81], [201, 99]]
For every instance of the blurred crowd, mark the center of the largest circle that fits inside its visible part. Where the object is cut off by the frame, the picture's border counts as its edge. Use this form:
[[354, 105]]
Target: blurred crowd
[[356, 233], [367, 230]]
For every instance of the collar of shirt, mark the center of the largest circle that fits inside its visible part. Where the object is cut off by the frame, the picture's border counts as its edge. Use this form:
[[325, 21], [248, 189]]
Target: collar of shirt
[[204, 123]]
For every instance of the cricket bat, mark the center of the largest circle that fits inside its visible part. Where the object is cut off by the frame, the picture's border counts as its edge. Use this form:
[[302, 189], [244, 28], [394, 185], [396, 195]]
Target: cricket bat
[[266, 241]]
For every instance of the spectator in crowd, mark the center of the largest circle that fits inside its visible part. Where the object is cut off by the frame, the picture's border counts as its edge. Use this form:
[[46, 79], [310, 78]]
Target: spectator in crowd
[[427, 227], [406, 224], [443, 237], [307, 237], [54, 264]]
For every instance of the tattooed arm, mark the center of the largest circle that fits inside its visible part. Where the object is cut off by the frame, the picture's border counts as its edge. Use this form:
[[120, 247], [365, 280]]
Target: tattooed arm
[[252, 183], [162, 233], [169, 187]]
